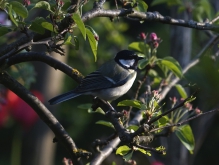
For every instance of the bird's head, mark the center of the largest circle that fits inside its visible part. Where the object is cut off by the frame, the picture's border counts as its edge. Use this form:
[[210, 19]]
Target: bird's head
[[127, 59]]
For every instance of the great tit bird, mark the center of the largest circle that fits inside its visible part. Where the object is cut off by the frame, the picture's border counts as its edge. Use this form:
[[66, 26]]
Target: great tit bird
[[112, 80]]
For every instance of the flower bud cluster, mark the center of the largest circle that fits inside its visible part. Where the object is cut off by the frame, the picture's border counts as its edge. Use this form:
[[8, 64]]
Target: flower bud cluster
[[153, 40]]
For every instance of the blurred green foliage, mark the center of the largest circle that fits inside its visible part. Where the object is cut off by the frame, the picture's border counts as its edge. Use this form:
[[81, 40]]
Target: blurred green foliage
[[114, 35]]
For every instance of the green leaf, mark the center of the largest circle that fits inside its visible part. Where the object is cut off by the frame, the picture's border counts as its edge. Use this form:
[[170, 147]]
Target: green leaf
[[171, 64], [36, 25], [163, 121], [4, 30], [128, 156], [98, 110], [185, 135], [90, 110], [157, 2], [123, 150], [19, 9], [93, 43], [133, 127], [168, 2], [76, 42], [105, 123], [113, 163], [143, 151], [161, 149], [67, 39], [137, 46], [92, 30], [133, 103], [142, 6], [143, 63], [10, 12], [77, 18], [43, 5], [48, 26], [181, 91]]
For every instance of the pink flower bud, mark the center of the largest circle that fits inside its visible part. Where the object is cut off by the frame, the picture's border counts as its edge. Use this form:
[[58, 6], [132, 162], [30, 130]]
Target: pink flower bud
[[59, 3], [155, 44], [157, 163], [26, 2], [96, 37], [174, 100], [153, 37], [142, 36], [197, 111]]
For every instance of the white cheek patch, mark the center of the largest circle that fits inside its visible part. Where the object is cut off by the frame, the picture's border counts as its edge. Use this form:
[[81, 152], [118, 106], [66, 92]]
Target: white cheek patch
[[127, 63]]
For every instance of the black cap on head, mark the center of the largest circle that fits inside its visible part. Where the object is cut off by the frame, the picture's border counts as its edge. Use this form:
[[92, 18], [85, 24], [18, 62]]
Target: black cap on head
[[126, 54]]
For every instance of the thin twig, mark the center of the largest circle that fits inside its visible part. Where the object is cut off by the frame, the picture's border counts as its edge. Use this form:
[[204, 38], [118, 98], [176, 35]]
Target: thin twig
[[185, 121], [214, 20], [172, 109], [149, 149]]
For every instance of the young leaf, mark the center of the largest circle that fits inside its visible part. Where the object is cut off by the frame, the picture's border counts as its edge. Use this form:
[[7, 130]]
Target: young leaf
[[143, 63], [123, 150], [137, 46], [133, 127], [163, 121], [19, 9], [143, 151], [4, 30], [67, 39], [181, 91], [10, 12], [36, 25], [142, 6], [77, 18], [98, 110], [128, 156], [48, 26], [161, 149], [185, 135], [172, 65], [43, 5], [93, 43], [106, 123], [133, 103]]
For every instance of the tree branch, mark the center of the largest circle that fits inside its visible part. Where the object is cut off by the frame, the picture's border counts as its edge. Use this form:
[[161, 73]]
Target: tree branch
[[36, 56], [147, 16], [42, 111]]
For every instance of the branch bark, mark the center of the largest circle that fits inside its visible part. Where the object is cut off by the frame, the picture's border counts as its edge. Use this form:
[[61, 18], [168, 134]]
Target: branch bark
[[43, 112]]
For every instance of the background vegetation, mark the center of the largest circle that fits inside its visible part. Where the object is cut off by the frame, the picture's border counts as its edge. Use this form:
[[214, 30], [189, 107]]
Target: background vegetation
[[26, 139]]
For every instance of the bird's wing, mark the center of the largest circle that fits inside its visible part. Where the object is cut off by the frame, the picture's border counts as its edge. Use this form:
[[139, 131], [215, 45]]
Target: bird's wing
[[96, 81]]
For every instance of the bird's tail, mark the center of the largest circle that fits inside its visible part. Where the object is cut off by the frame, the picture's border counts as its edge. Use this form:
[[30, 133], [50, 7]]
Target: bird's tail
[[63, 97]]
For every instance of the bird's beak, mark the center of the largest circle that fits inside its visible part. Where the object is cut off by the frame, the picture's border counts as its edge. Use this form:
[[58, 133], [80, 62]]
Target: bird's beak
[[140, 58]]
